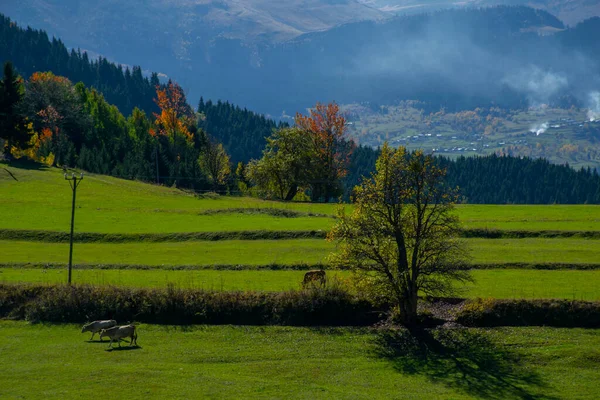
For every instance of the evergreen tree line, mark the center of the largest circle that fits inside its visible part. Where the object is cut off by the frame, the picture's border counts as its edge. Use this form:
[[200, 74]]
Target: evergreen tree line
[[497, 179], [31, 50], [501, 179], [242, 132]]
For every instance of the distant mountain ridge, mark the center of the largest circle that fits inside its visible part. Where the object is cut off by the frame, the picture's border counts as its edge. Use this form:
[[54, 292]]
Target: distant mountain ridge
[[459, 59], [181, 24], [569, 11]]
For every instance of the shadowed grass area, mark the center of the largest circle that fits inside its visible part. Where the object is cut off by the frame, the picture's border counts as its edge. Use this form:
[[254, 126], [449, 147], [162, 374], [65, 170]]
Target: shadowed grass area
[[464, 360], [54, 361]]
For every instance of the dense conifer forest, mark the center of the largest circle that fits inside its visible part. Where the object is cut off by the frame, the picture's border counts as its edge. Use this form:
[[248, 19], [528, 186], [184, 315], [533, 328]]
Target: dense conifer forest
[[242, 132], [502, 179], [32, 50]]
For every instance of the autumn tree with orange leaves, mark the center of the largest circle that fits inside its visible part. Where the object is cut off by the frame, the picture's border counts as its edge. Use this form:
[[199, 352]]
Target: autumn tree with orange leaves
[[174, 130], [326, 127], [176, 116], [54, 106]]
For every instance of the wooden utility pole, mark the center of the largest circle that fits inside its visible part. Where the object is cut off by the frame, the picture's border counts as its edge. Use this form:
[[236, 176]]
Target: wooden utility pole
[[74, 181]]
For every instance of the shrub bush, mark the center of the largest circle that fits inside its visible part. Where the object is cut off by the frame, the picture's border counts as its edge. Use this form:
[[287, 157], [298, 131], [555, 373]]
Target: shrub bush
[[558, 313], [78, 304]]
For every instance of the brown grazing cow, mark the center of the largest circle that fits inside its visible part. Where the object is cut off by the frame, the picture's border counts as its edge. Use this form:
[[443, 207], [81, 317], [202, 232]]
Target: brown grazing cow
[[315, 275]]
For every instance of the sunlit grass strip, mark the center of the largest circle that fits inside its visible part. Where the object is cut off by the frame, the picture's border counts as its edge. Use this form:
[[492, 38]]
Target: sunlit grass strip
[[40, 201], [257, 252], [500, 284], [297, 251]]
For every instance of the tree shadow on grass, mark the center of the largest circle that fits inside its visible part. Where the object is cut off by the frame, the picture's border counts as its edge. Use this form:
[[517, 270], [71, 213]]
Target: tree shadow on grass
[[461, 359], [24, 163]]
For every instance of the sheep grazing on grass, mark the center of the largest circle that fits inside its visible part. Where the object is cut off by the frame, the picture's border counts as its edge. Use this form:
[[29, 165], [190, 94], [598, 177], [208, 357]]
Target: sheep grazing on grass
[[120, 332], [97, 326]]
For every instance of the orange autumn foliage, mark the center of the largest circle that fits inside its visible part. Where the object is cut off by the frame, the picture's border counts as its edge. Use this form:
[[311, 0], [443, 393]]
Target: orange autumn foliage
[[326, 126], [48, 77], [174, 112]]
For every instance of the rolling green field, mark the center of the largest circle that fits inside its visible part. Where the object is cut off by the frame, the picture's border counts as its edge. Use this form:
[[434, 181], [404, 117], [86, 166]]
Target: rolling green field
[[41, 200], [56, 361], [500, 284], [298, 251], [181, 253]]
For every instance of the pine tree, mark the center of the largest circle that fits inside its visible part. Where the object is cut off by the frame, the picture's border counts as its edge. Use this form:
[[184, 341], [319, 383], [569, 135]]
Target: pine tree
[[13, 125]]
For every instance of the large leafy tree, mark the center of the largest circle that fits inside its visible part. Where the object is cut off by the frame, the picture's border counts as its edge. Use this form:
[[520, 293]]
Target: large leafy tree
[[14, 127], [286, 166], [401, 236], [214, 163], [326, 127]]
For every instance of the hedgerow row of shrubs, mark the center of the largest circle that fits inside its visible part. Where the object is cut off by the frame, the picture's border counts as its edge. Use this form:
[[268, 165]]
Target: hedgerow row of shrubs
[[556, 313], [332, 306], [91, 237], [485, 233], [271, 211], [279, 267], [77, 304], [191, 267]]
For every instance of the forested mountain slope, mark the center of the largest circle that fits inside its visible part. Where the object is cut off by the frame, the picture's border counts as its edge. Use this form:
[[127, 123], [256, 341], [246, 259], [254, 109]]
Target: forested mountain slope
[[31, 50], [458, 59], [126, 30], [241, 131]]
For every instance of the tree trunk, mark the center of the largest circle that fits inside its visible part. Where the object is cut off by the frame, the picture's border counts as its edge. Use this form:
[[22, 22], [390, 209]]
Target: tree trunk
[[408, 309], [291, 193]]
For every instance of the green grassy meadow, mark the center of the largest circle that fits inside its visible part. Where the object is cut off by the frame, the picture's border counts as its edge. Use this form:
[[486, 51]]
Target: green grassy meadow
[[500, 284], [41, 200], [297, 251], [57, 361]]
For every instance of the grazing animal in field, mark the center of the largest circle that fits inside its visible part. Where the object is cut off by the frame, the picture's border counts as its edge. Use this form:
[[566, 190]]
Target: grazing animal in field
[[314, 276], [120, 332], [97, 326]]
